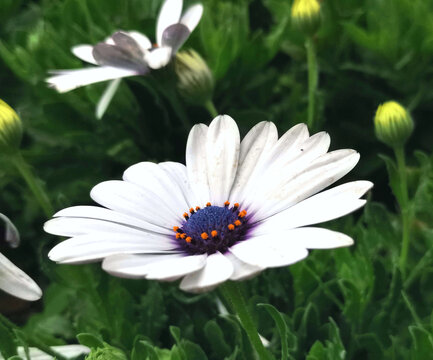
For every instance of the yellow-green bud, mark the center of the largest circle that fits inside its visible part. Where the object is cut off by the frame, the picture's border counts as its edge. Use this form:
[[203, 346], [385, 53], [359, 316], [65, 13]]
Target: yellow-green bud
[[108, 352], [195, 81], [393, 124], [306, 15], [11, 129]]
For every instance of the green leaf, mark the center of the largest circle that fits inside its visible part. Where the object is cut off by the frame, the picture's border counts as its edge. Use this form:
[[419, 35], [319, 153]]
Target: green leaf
[[90, 340], [282, 328], [215, 337], [7, 342], [143, 350]]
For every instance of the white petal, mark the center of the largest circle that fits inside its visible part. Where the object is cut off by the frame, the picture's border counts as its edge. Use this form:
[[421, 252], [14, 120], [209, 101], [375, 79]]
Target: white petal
[[150, 176], [217, 270], [192, 16], [168, 15], [85, 53], [328, 205], [132, 266], [100, 213], [106, 98], [242, 270], [196, 162], [158, 58], [71, 79], [318, 238], [321, 173], [97, 246], [222, 150], [269, 251], [11, 234], [69, 351], [178, 174], [141, 39], [135, 201], [175, 267], [16, 282], [254, 146]]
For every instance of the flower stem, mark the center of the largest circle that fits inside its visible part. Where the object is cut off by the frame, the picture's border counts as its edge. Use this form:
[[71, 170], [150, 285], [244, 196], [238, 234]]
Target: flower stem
[[33, 183], [313, 77], [210, 106], [234, 296], [404, 206]]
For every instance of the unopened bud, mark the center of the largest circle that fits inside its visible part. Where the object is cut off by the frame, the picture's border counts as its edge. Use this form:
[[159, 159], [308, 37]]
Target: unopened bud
[[306, 15], [10, 129], [393, 124], [195, 81]]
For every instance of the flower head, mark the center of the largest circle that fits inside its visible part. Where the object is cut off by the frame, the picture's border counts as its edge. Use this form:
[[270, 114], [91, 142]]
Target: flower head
[[306, 15], [195, 80], [11, 129], [235, 209], [13, 280], [393, 124], [131, 53]]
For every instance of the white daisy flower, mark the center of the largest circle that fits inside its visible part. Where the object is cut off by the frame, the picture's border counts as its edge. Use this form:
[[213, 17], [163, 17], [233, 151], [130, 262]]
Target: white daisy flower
[[131, 53], [235, 209], [12, 279]]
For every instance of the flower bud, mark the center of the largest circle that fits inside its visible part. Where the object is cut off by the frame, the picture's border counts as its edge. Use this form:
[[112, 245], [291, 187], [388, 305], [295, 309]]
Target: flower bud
[[10, 129], [108, 352], [306, 15], [195, 81], [393, 124]]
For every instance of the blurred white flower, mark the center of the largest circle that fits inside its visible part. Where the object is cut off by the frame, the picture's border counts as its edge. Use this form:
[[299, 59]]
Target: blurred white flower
[[251, 206], [13, 280], [68, 351], [131, 53]]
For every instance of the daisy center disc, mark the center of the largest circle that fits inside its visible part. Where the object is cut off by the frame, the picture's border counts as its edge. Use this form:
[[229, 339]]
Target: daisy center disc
[[211, 229]]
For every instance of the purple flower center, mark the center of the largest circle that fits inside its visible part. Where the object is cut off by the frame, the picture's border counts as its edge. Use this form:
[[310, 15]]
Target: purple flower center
[[211, 229]]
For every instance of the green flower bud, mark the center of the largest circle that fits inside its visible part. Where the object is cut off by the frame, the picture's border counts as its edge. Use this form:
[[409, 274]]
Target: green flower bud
[[108, 352], [393, 124], [11, 129], [306, 15], [195, 81]]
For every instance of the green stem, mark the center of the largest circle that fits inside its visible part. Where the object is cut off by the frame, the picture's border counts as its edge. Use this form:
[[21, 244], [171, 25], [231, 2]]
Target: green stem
[[234, 296], [210, 106], [33, 184], [313, 79], [404, 207], [32, 341]]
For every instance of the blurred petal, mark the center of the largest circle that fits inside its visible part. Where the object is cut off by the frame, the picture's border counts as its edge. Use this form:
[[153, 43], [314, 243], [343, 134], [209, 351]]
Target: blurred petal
[[192, 16], [168, 15], [85, 53], [174, 37], [106, 98], [68, 80], [141, 39], [158, 58], [17, 283], [11, 235]]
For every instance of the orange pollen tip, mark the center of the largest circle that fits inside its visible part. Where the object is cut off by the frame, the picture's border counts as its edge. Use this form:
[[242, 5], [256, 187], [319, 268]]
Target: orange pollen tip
[[214, 233], [231, 226], [242, 214], [177, 235], [208, 204], [197, 208], [183, 236], [204, 236], [185, 215], [236, 205], [227, 203], [238, 223], [191, 211], [188, 239], [175, 228]]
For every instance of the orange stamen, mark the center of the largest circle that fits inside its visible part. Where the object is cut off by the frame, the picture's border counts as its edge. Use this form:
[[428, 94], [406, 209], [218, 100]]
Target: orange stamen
[[208, 204], [191, 211], [175, 228], [227, 203], [242, 214], [183, 236], [231, 226], [185, 215], [197, 208], [214, 233], [177, 235], [236, 205], [188, 239], [204, 236], [238, 223]]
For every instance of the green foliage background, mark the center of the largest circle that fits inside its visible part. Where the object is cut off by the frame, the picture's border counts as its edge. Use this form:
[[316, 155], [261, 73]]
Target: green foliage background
[[339, 304]]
